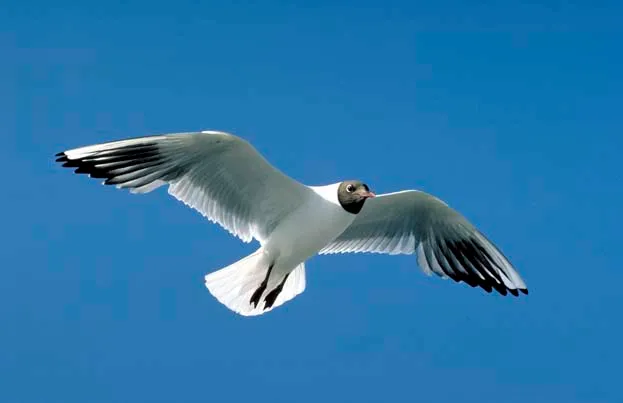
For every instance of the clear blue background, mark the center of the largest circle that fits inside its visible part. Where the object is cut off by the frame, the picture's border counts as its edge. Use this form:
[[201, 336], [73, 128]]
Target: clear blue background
[[510, 112]]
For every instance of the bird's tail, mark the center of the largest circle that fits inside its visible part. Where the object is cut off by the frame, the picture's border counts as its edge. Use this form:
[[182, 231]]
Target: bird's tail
[[237, 285]]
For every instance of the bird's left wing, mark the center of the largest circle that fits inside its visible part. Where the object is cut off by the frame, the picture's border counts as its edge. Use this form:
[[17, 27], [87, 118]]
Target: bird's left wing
[[445, 242], [219, 174]]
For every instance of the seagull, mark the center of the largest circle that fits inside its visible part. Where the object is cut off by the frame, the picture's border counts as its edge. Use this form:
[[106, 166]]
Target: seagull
[[229, 182]]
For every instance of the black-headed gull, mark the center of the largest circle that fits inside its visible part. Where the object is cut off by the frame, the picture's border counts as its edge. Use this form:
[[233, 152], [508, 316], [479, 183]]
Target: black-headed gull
[[230, 183]]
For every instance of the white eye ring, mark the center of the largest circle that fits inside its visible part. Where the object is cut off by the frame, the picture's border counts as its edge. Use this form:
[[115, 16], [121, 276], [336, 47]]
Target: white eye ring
[[350, 188]]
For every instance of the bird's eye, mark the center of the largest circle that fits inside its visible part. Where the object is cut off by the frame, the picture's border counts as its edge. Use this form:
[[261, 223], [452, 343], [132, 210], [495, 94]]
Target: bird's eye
[[350, 188]]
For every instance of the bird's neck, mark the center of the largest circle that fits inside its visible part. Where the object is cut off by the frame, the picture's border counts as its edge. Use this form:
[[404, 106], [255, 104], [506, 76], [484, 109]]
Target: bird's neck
[[328, 192]]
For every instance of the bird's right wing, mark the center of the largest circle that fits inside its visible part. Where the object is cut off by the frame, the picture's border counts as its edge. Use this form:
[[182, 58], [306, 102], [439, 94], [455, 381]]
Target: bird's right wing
[[414, 222], [219, 174]]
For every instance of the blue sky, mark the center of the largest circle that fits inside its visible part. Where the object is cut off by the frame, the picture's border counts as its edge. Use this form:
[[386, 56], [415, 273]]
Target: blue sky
[[510, 112]]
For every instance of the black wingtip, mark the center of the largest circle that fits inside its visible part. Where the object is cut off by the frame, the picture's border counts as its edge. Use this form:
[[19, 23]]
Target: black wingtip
[[61, 157], [516, 291], [70, 164]]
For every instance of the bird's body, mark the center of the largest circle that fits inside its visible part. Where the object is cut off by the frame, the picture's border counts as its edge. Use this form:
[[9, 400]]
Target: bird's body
[[308, 229], [223, 177]]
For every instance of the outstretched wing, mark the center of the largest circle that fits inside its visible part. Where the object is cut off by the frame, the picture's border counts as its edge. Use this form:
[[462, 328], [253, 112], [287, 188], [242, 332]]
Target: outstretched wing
[[445, 242], [219, 174]]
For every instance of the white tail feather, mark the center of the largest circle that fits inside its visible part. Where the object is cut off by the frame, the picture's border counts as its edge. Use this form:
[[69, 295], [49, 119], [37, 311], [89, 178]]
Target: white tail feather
[[234, 285]]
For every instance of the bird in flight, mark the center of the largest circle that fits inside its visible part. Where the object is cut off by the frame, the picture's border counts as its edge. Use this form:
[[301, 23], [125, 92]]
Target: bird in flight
[[224, 178]]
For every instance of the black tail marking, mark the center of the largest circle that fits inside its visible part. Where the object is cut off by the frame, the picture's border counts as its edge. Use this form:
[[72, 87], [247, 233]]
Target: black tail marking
[[255, 298], [271, 297]]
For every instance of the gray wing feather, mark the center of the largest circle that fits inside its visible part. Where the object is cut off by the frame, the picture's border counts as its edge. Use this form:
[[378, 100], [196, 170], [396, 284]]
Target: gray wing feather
[[218, 174], [446, 244]]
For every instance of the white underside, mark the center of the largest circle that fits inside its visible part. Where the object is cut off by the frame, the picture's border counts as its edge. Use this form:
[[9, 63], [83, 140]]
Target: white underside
[[234, 285], [305, 232], [299, 236]]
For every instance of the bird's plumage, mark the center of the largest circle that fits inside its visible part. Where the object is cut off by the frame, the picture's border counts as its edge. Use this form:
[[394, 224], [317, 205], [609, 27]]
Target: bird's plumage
[[230, 183], [414, 222], [220, 175], [234, 285]]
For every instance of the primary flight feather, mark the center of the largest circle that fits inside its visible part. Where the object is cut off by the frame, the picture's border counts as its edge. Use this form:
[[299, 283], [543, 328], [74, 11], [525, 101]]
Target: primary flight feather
[[224, 178]]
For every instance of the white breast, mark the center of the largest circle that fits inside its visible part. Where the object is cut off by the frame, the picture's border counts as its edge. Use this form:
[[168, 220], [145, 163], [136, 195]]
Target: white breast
[[307, 230]]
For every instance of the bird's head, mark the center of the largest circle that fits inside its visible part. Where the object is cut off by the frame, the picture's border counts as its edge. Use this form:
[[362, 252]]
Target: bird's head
[[352, 195]]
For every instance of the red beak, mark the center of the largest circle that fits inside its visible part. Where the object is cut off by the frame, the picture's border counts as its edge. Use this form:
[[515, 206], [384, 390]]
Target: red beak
[[371, 194]]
